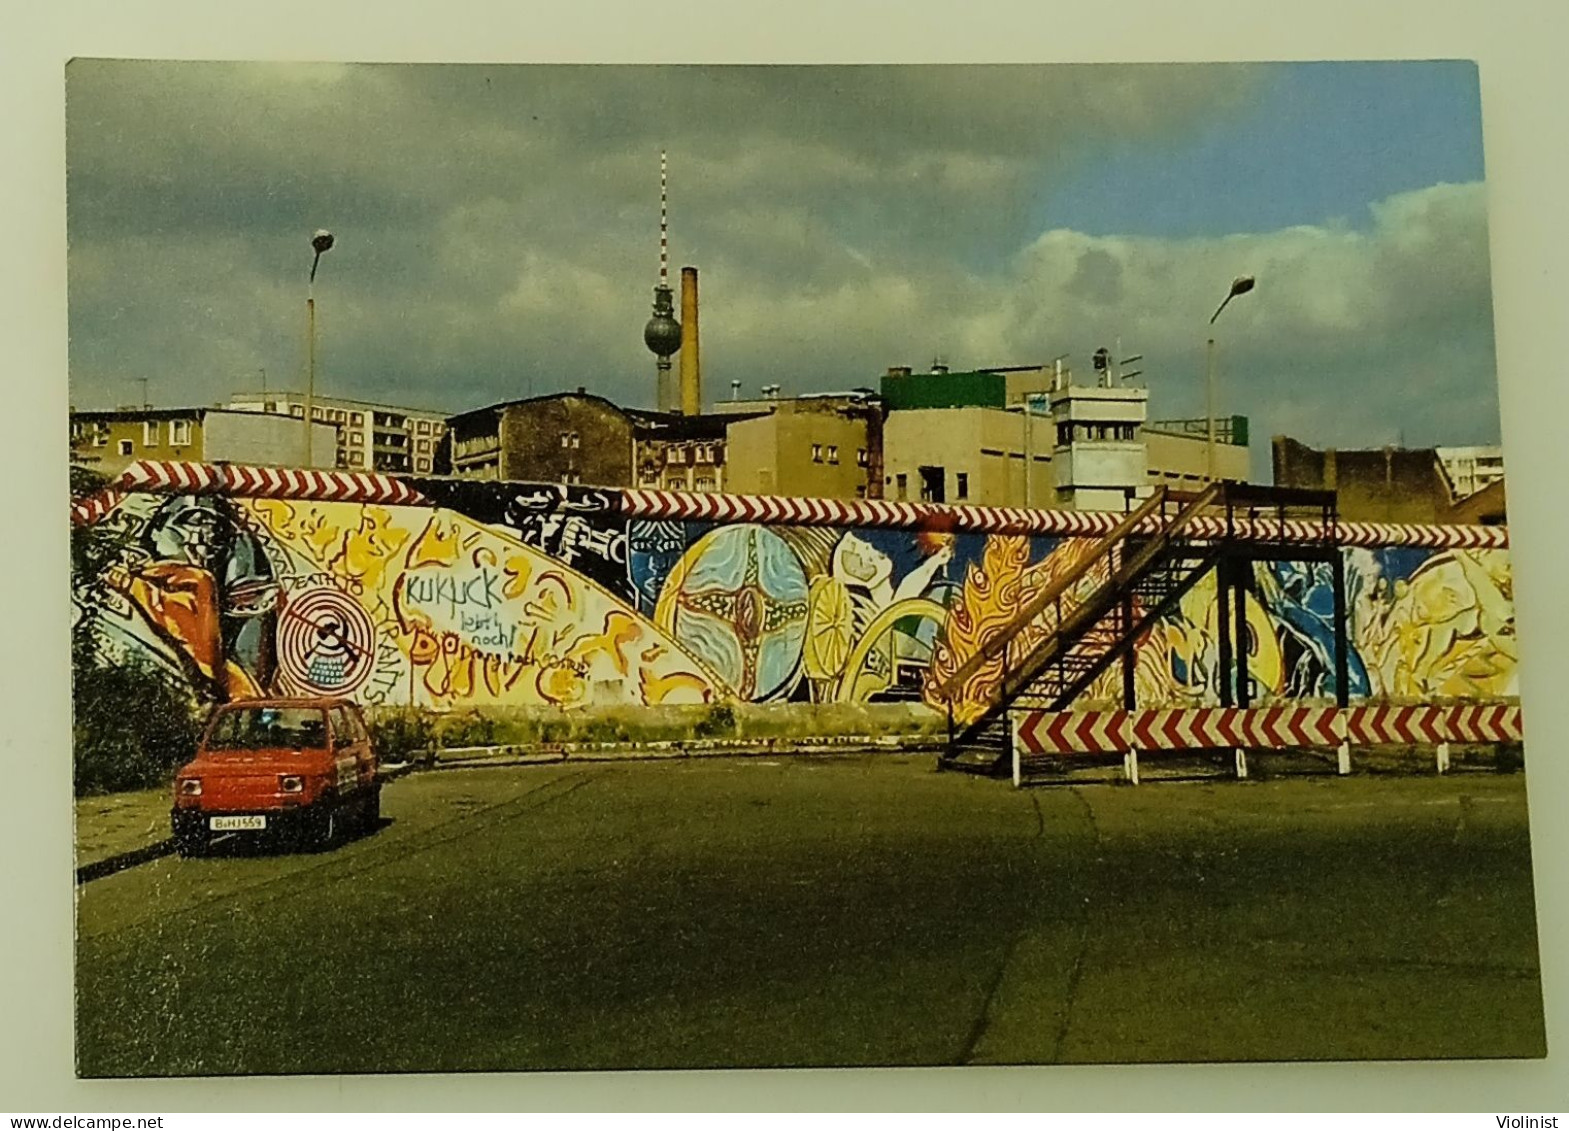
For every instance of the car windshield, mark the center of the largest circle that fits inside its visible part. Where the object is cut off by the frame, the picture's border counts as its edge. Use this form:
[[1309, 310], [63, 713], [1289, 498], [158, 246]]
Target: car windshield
[[242, 728]]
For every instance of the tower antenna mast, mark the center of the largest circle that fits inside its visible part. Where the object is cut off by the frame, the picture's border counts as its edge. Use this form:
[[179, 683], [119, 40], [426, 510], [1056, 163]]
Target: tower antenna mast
[[662, 334]]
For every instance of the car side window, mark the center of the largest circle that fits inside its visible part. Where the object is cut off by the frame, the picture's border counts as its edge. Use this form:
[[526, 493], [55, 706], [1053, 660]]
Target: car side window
[[347, 725], [358, 722]]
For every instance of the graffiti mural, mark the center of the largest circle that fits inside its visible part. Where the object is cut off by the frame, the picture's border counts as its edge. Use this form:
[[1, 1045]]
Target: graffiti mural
[[487, 593]]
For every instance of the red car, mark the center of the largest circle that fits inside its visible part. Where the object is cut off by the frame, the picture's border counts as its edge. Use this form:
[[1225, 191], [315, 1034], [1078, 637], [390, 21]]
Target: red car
[[299, 768]]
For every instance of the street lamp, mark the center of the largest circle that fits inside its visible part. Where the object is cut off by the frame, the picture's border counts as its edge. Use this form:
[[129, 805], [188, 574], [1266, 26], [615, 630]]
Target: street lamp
[[1241, 285], [321, 243]]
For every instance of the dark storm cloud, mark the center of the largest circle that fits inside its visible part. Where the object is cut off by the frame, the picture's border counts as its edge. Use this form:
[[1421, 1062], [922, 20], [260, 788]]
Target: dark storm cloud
[[497, 229]]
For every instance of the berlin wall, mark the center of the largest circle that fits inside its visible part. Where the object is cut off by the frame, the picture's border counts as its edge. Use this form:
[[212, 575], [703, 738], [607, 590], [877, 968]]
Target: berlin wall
[[450, 594]]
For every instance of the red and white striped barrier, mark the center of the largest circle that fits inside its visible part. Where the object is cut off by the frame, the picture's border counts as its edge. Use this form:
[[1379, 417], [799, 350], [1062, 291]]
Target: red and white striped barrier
[[89, 509], [1397, 726], [774, 510], [254, 482], [372, 487], [1116, 732]]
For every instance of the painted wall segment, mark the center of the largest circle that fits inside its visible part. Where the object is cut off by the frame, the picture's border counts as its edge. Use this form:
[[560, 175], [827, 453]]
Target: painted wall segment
[[244, 581]]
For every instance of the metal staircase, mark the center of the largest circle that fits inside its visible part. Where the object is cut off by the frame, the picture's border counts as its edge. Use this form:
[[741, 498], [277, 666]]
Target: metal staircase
[[1146, 563], [1095, 613]]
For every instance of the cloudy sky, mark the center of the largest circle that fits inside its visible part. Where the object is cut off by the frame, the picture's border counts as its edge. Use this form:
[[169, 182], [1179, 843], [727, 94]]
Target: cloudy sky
[[497, 231]]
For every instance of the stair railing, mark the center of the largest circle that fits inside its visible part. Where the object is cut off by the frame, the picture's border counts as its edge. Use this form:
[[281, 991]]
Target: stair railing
[[1087, 612]]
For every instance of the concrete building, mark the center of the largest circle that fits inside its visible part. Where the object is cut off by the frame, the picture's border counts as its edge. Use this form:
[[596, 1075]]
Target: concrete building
[[903, 389], [557, 438], [1099, 455], [1470, 469], [968, 454], [1487, 507], [1176, 451], [109, 441], [673, 451], [1381, 485], [827, 446], [966, 438], [371, 436], [583, 438]]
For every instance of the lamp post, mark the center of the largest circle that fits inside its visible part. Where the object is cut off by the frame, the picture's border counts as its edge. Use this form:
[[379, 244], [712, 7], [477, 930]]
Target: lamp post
[[321, 243], [1241, 285]]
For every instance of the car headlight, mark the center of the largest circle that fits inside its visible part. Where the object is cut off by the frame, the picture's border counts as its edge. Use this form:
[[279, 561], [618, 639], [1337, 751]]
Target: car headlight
[[190, 787], [291, 783]]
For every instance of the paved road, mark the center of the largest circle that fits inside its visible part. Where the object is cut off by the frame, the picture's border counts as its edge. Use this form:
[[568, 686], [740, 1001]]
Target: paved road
[[745, 912]]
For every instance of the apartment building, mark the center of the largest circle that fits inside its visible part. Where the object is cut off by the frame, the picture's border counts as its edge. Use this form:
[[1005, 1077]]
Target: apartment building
[[109, 441], [371, 436]]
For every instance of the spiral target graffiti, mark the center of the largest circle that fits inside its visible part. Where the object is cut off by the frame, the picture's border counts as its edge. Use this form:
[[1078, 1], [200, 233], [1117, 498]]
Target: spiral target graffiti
[[326, 642]]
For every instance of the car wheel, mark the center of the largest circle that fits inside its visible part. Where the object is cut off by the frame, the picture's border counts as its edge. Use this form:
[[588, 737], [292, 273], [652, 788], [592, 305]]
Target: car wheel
[[324, 830], [373, 808]]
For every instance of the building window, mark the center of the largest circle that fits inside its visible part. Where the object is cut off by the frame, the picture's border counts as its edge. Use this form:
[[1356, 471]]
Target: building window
[[860, 490], [862, 457], [571, 477], [817, 453], [357, 439], [673, 455], [297, 411], [704, 483], [150, 434], [179, 432], [902, 484], [100, 436], [125, 447], [422, 465], [675, 485], [357, 418], [269, 406], [833, 453], [422, 446], [422, 426], [356, 459], [961, 484], [703, 454]]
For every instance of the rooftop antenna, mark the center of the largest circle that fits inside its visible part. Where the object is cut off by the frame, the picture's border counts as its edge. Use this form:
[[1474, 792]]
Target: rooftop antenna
[[735, 390], [142, 381]]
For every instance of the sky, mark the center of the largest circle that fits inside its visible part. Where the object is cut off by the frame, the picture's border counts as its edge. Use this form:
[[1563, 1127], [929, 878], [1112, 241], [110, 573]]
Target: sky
[[497, 231]]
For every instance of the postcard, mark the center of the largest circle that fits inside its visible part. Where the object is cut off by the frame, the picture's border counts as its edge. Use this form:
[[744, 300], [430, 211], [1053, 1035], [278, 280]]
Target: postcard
[[654, 567]]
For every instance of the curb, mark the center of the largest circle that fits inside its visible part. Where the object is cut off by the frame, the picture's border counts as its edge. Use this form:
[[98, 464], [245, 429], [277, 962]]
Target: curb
[[515, 754], [120, 861]]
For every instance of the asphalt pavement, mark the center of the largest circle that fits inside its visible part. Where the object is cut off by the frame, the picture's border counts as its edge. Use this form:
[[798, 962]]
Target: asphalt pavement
[[830, 911]]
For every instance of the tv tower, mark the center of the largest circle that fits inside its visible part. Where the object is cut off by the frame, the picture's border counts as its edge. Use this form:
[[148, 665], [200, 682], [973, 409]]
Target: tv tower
[[662, 335]]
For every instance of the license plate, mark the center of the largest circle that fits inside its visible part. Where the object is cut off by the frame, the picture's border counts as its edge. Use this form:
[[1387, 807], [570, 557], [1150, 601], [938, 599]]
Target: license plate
[[232, 824]]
